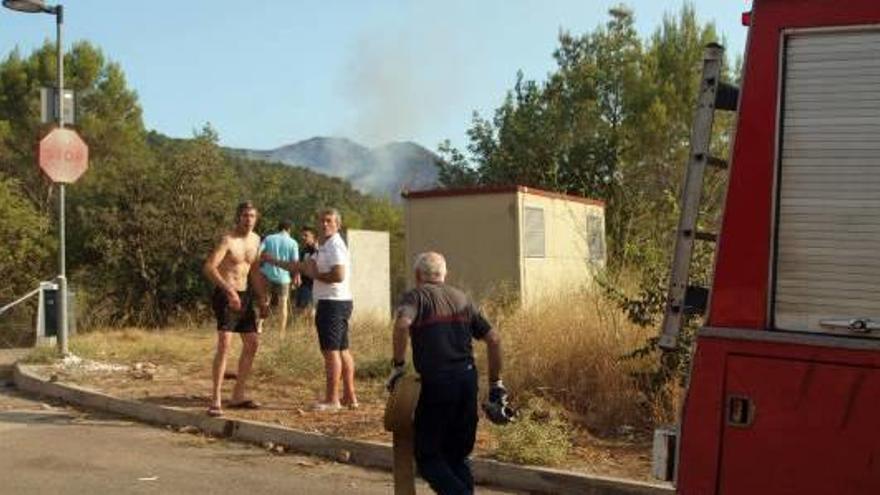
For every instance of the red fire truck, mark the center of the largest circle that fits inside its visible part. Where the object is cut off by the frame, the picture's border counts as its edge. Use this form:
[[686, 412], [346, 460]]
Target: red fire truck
[[784, 391]]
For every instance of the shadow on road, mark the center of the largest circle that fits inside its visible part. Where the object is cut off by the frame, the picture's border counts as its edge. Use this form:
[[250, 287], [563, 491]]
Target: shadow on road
[[35, 417], [17, 408]]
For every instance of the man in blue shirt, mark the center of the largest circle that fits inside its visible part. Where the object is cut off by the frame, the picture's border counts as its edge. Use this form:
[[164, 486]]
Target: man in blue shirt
[[281, 247]]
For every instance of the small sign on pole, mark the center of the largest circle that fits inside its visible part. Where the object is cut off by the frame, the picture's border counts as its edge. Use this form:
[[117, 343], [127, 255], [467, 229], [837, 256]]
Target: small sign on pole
[[49, 105], [63, 156]]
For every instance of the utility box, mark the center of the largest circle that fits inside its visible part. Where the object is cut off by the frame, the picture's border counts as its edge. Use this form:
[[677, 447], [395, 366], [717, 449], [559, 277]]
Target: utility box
[[510, 240], [48, 324], [663, 453]]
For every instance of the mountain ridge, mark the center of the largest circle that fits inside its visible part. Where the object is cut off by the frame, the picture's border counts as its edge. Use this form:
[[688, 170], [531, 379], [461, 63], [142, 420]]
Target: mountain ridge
[[384, 170]]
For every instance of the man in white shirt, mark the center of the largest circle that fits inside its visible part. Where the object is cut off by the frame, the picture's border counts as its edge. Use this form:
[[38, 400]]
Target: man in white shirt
[[330, 270]]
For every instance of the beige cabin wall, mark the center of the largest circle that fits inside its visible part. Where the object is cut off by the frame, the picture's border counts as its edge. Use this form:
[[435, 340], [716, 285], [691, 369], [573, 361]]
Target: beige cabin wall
[[566, 266], [477, 235]]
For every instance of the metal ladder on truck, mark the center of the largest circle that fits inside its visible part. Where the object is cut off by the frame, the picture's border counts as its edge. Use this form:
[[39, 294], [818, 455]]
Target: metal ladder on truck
[[682, 298]]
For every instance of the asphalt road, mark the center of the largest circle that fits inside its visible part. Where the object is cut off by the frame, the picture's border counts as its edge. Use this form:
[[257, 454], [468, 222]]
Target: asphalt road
[[48, 448]]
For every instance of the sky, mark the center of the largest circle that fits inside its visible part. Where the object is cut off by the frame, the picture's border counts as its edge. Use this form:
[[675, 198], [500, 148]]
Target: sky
[[266, 73]]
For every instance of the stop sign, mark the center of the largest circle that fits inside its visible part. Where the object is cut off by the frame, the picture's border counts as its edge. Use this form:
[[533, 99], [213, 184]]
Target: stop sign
[[63, 155]]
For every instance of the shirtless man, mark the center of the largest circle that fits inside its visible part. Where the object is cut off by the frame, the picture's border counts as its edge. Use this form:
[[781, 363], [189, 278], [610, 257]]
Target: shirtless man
[[234, 260]]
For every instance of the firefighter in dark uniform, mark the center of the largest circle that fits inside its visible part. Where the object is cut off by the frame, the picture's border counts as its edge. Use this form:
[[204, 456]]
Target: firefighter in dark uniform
[[442, 321]]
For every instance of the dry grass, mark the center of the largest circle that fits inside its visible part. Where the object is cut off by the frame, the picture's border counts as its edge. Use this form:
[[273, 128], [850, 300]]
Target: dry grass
[[179, 347], [567, 351], [570, 350], [297, 354], [563, 367]]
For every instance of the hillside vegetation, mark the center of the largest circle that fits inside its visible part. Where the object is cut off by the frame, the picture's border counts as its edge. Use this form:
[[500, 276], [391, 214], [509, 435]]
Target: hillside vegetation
[[141, 221]]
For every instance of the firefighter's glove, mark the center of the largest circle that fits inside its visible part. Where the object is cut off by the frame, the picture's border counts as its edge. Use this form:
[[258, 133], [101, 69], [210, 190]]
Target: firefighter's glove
[[398, 369], [497, 409], [497, 392]]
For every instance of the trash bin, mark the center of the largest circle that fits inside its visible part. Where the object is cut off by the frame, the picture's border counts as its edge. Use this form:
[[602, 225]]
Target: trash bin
[[50, 312]]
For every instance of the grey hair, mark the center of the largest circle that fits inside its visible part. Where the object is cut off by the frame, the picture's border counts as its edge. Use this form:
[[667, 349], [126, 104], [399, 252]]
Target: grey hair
[[333, 212], [430, 266]]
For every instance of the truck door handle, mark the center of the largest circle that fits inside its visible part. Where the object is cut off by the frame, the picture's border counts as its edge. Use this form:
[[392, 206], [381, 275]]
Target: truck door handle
[[855, 325], [740, 411]]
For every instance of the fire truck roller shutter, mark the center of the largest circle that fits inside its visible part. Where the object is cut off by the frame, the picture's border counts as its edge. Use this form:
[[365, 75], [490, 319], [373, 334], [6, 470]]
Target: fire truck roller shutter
[[827, 263]]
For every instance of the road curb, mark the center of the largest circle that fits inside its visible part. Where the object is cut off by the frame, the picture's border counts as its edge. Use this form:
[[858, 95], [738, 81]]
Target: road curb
[[362, 453]]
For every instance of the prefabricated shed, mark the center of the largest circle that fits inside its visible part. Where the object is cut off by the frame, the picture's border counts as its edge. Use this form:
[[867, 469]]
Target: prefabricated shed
[[524, 241]]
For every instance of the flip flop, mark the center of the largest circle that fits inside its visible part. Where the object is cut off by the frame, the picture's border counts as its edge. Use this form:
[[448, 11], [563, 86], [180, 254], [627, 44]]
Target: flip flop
[[215, 412], [245, 404]]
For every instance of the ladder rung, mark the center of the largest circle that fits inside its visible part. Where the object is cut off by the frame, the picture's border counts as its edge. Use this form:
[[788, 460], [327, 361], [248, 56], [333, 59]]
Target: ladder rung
[[706, 236], [716, 162], [711, 160]]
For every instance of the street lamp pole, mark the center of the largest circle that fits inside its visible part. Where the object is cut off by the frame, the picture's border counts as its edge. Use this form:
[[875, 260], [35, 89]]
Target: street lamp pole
[[38, 6], [62, 251]]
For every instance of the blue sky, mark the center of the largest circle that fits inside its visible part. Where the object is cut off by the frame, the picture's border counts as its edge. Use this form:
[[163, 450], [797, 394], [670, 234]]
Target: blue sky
[[268, 73]]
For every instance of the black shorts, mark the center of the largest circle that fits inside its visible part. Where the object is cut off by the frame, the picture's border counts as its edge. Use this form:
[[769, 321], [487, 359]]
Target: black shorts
[[229, 320], [331, 319], [303, 297]]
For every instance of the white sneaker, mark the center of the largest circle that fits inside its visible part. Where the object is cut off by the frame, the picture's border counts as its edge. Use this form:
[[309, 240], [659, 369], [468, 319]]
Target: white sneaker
[[326, 407]]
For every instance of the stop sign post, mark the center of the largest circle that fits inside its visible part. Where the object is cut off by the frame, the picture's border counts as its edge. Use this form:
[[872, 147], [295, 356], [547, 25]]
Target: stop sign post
[[63, 156]]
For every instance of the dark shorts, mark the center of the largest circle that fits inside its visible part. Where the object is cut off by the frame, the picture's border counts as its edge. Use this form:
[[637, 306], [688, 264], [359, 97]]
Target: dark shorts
[[228, 320], [331, 319], [278, 293], [303, 297]]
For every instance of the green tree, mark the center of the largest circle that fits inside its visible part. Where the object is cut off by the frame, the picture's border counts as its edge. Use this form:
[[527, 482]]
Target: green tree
[[20, 80], [25, 233], [149, 225], [568, 134], [611, 122]]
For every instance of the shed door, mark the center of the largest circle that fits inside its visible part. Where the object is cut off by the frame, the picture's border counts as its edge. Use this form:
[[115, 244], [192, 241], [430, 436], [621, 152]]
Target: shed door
[[828, 226]]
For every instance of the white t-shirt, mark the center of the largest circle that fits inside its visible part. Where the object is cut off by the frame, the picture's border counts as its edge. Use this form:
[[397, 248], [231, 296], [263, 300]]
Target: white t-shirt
[[331, 253]]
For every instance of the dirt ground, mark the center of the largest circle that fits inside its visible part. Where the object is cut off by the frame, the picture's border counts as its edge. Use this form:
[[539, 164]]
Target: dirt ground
[[288, 403]]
